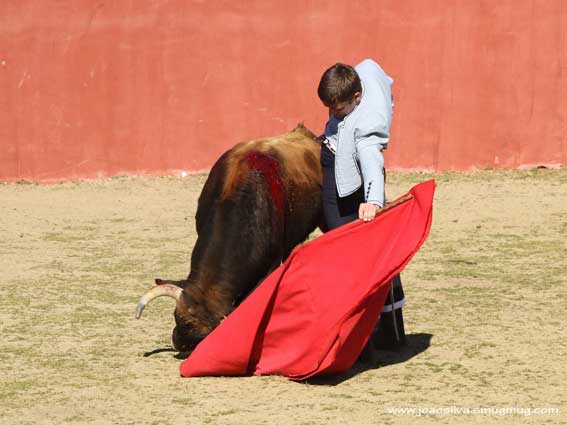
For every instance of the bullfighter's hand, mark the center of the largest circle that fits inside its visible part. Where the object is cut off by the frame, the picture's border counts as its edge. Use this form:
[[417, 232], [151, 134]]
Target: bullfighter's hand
[[367, 212]]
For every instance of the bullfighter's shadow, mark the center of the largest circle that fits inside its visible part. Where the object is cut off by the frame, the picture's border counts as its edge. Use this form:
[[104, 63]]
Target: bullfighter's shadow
[[415, 344]]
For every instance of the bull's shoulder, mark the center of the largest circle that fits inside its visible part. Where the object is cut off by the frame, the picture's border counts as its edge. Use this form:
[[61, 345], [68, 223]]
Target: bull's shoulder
[[286, 147], [295, 154], [299, 138]]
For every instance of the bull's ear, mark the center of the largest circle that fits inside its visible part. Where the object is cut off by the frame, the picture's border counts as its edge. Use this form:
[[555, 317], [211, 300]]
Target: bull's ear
[[170, 282]]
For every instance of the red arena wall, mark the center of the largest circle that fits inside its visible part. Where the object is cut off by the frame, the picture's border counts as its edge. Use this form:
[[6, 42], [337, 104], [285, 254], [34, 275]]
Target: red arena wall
[[100, 88]]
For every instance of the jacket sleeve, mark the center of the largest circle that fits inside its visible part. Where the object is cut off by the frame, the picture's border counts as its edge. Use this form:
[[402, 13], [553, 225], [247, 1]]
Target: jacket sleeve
[[369, 150]]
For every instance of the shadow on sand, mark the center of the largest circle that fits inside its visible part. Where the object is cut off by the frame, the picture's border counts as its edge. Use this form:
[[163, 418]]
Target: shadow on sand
[[415, 344], [160, 350], [179, 355]]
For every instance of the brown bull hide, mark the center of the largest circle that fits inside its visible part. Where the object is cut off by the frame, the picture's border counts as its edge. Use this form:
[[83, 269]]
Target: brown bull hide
[[260, 200]]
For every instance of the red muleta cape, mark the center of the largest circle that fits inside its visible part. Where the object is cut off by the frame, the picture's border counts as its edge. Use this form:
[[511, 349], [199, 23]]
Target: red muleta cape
[[314, 313]]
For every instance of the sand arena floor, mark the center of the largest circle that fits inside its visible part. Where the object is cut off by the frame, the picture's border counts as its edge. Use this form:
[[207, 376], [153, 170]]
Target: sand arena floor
[[486, 314]]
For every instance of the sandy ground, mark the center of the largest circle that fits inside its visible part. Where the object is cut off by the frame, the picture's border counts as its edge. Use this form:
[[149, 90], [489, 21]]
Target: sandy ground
[[486, 314]]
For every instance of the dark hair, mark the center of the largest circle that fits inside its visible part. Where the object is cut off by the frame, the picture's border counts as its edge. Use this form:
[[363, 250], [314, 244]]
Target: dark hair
[[339, 83]]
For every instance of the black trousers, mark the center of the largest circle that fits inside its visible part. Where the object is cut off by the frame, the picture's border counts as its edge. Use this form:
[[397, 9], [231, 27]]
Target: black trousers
[[339, 211]]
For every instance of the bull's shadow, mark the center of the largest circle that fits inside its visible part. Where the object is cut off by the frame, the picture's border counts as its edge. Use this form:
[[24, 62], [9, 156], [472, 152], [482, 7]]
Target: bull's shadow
[[415, 344], [178, 354], [160, 350]]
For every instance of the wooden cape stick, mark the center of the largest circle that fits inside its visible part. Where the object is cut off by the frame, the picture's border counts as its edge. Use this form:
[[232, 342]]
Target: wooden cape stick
[[389, 206], [394, 204]]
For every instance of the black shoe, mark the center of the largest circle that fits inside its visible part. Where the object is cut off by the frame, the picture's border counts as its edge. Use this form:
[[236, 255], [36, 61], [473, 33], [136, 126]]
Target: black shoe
[[385, 336], [368, 356]]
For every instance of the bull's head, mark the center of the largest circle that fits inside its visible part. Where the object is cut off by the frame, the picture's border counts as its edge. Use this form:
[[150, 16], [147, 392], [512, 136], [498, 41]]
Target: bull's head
[[192, 318]]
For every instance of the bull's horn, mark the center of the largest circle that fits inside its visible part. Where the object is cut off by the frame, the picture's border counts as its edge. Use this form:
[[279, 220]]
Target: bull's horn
[[166, 290]]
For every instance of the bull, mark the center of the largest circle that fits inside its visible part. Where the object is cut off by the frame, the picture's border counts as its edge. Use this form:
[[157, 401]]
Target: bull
[[260, 200]]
